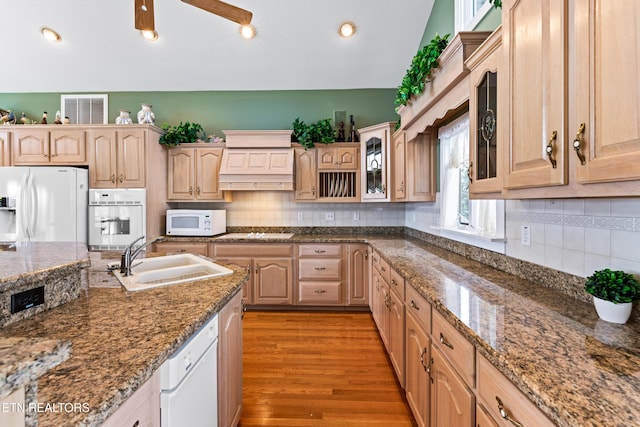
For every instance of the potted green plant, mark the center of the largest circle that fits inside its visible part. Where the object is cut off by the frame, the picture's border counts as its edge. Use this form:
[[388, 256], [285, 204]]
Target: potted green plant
[[184, 133], [320, 131], [613, 294]]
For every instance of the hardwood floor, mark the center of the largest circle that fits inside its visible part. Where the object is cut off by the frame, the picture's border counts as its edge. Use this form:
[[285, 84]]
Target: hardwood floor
[[318, 369]]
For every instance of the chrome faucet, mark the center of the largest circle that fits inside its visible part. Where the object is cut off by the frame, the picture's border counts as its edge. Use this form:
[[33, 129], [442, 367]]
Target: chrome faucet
[[130, 254]]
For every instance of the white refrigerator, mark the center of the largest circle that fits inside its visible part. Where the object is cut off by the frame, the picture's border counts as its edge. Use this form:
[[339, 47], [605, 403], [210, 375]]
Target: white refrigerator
[[48, 204]]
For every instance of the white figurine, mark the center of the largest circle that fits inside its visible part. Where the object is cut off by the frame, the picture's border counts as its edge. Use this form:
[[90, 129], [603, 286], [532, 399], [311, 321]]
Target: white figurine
[[146, 115]]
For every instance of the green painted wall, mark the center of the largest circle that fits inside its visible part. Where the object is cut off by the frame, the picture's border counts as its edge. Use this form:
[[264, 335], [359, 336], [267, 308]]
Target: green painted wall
[[441, 21], [219, 110]]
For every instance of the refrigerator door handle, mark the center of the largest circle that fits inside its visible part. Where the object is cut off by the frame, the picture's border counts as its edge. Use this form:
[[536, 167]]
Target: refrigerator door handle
[[33, 209], [24, 206]]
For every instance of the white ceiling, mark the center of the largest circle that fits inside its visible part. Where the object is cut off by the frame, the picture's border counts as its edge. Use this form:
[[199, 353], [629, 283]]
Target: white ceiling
[[296, 47]]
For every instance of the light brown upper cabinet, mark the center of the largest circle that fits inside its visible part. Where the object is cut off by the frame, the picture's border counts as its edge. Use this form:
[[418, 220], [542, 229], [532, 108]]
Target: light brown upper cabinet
[[337, 157], [375, 145], [193, 173], [63, 146], [117, 158], [572, 91], [5, 159], [412, 177], [306, 170], [485, 118]]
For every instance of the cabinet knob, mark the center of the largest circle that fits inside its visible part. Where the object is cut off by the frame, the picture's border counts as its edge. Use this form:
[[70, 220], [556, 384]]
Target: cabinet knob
[[577, 144], [504, 414], [549, 149], [198, 190], [191, 190], [121, 178], [313, 190], [113, 178]]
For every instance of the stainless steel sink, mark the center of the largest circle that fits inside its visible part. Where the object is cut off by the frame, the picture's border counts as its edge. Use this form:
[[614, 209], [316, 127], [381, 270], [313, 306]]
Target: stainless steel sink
[[169, 270]]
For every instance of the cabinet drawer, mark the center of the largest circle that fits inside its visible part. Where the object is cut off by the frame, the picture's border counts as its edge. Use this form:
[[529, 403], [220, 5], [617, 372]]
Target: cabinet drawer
[[396, 284], [141, 409], [419, 308], [458, 351], [318, 269], [252, 250], [326, 250], [375, 260], [320, 292], [182, 247], [493, 385]]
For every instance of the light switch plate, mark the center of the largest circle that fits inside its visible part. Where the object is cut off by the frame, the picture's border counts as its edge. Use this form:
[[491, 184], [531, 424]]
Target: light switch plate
[[356, 216], [300, 216], [525, 235], [329, 216]]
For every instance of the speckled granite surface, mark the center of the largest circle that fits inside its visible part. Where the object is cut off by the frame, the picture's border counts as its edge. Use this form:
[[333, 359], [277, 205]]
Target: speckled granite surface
[[118, 340], [55, 265], [23, 360], [579, 370]]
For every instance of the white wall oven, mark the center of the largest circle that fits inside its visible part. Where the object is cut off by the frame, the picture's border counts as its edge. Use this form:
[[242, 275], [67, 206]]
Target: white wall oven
[[116, 217]]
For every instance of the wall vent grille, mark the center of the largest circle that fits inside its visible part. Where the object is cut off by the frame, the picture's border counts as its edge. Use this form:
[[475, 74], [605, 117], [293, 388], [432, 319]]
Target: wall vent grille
[[85, 109]]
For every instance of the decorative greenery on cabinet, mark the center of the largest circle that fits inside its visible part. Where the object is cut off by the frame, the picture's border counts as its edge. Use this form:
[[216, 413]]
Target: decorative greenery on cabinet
[[320, 131], [184, 133], [413, 83]]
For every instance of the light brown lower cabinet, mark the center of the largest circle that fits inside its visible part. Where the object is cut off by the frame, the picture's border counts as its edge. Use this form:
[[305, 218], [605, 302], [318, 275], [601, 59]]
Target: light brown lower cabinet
[[358, 279], [141, 409], [196, 248], [12, 418], [230, 363], [418, 355], [271, 268], [483, 419], [505, 404], [452, 402]]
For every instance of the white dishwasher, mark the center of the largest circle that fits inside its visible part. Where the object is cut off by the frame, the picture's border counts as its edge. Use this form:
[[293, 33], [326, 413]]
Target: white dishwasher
[[189, 381]]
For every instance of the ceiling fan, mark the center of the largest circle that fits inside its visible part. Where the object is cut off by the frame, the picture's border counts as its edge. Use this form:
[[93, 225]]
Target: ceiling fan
[[144, 18]]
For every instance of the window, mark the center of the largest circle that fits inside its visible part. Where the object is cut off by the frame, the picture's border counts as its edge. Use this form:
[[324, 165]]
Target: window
[[85, 109], [468, 13], [477, 222]]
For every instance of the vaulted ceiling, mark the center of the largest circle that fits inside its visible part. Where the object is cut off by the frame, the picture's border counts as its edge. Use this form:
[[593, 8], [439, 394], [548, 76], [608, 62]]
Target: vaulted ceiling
[[297, 46]]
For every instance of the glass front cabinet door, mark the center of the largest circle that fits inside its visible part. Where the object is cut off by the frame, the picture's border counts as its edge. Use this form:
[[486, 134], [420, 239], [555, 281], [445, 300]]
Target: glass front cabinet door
[[484, 120], [375, 143]]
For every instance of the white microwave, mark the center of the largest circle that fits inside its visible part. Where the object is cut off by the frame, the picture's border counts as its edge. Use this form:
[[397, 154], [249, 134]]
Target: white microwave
[[196, 222]]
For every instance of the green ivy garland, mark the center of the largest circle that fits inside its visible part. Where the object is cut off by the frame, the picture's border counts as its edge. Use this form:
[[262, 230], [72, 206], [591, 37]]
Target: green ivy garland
[[417, 75]]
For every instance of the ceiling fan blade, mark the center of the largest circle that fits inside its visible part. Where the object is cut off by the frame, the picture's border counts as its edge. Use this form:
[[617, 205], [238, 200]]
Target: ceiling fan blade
[[225, 10], [144, 19]]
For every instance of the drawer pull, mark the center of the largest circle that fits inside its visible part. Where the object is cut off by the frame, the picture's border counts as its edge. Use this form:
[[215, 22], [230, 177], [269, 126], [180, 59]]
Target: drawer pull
[[320, 251], [393, 282], [136, 424], [383, 269], [444, 341], [320, 268], [577, 145], [505, 415], [181, 250], [549, 149], [414, 305], [424, 351], [320, 291]]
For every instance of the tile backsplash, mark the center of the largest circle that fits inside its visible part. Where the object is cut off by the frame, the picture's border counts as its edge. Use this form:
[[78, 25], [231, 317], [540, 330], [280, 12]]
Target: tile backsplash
[[575, 236]]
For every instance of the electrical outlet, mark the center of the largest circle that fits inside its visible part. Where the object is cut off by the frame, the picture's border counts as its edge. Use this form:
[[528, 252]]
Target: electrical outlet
[[329, 216], [525, 235], [356, 216], [300, 216]]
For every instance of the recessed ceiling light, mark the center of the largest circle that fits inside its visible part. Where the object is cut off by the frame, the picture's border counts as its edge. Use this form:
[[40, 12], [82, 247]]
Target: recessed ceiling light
[[347, 29], [50, 34], [248, 31], [150, 35]]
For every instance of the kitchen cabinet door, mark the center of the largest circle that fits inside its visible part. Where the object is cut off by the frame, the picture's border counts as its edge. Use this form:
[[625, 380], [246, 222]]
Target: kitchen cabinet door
[[131, 158], [141, 409], [102, 158], [396, 335], [607, 91], [398, 166], [230, 363], [242, 263], [374, 150], [535, 40], [67, 147], [30, 147], [421, 168], [337, 158], [181, 174], [5, 159], [417, 371], [452, 402], [207, 170], [273, 283], [305, 167], [358, 277]]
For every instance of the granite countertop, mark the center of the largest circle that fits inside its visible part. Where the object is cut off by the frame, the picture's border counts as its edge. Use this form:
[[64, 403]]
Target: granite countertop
[[39, 258], [579, 370], [118, 339]]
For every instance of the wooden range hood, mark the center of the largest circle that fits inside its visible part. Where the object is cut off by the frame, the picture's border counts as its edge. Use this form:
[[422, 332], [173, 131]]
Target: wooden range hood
[[257, 160]]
